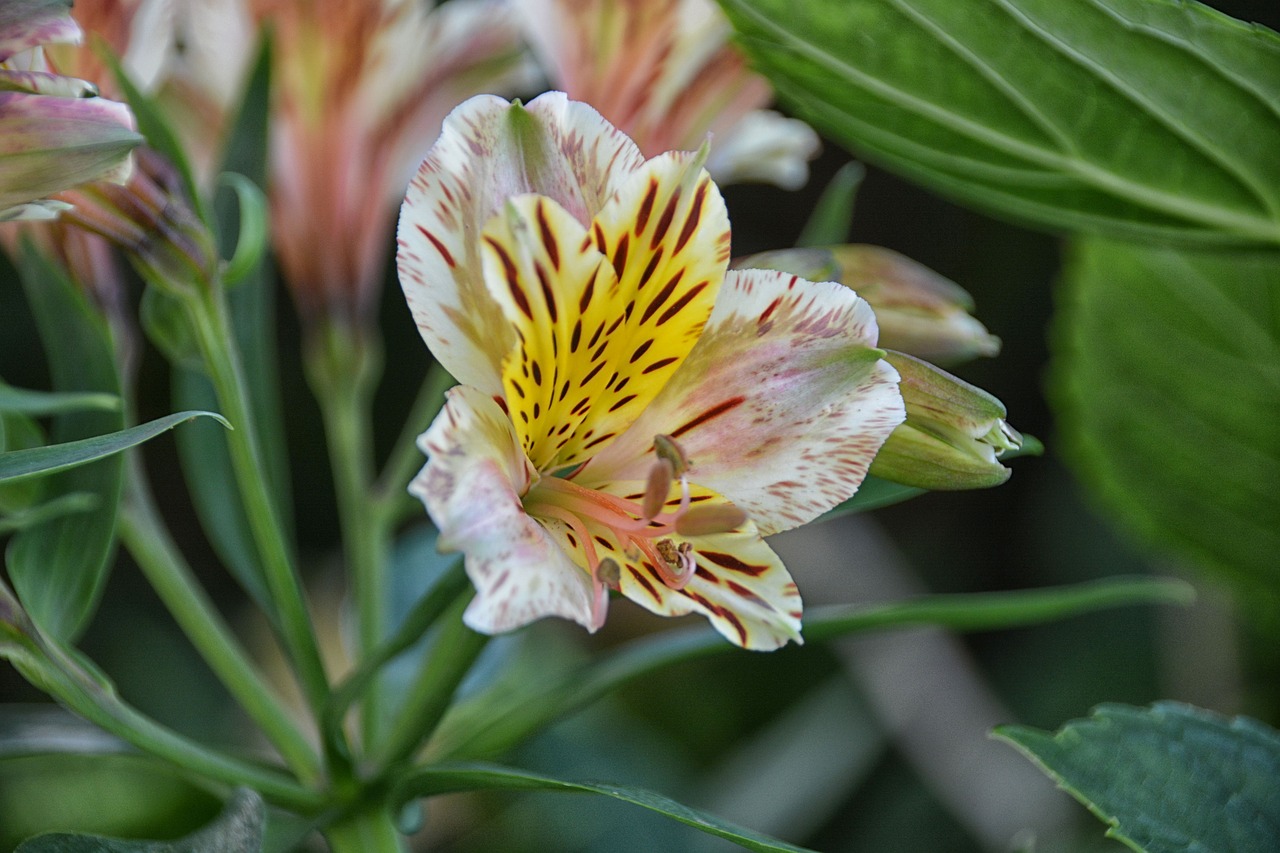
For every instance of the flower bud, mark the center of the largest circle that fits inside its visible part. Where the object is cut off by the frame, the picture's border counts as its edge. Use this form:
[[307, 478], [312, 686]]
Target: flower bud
[[151, 219], [954, 434], [54, 132], [917, 310]]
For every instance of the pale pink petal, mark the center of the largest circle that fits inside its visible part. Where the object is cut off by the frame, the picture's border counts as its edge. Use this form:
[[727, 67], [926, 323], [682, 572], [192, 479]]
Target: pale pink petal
[[471, 486], [765, 147], [780, 407], [490, 150], [25, 24]]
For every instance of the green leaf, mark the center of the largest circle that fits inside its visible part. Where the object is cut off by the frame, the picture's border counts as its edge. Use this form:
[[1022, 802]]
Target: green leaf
[[238, 829], [829, 223], [450, 778], [494, 722], [251, 241], [1168, 779], [40, 403], [41, 461], [1165, 376], [68, 504], [205, 458], [1148, 118], [58, 567]]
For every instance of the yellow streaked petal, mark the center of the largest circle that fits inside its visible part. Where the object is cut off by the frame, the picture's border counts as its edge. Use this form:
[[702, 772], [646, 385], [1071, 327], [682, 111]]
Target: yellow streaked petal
[[666, 234], [558, 293]]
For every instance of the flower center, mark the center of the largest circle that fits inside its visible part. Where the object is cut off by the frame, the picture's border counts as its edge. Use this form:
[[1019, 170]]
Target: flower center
[[642, 527]]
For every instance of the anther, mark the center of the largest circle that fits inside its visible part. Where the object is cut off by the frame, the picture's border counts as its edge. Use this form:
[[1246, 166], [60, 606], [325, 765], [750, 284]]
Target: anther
[[657, 488], [709, 520]]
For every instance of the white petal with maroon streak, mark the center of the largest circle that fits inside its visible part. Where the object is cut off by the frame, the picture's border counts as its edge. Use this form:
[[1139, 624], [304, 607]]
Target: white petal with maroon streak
[[471, 486], [780, 407]]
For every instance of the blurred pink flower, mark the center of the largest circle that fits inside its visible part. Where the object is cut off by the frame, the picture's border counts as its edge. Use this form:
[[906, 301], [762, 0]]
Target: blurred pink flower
[[55, 132], [663, 72], [360, 89]]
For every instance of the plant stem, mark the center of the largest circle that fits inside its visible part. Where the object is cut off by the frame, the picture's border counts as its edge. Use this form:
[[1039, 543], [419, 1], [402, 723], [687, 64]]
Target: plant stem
[[66, 677], [148, 540], [344, 366], [444, 666], [368, 831], [451, 585], [208, 312]]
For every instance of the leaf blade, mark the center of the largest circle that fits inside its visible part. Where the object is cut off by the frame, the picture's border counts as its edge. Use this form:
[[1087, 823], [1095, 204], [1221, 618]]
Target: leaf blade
[[1168, 778], [1044, 111], [42, 461], [448, 778]]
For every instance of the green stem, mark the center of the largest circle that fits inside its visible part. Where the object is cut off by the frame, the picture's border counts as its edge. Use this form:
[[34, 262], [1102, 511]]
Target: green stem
[[208, 312], [343, 366], [446, 591], [147, 539], [65, 677], [370, 831], [446, 664], [499, 725]]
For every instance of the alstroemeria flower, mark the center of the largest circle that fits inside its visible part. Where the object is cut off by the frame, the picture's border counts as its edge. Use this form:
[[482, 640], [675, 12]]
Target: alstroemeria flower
[[360, 88], [664, 72], [54, 132], [631, 415]]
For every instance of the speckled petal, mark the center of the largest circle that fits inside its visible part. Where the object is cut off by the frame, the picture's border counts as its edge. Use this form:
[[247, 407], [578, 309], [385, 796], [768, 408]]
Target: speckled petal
[[666, 233], [471, 486], [25, 24], [781, 406], [552, 284], [740, 585], [491, 150]]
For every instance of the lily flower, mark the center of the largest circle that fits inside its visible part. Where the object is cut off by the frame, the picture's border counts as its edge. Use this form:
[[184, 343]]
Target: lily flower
[[55, 132], [664, 72], [360, 89], [631, 415]]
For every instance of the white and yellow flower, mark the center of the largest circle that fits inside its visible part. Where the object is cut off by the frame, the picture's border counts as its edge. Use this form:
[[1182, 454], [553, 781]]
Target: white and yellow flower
[[631, 415]]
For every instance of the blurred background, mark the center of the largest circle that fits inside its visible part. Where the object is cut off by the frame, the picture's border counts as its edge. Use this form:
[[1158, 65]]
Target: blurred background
[[875, 743]]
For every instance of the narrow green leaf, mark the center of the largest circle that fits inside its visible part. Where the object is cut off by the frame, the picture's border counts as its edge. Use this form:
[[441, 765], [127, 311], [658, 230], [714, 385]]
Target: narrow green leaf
[[1167, 779], [490, 724], [41, 461], [239, 829], [68, 504], [1050, 112], [1165, 377], [251, 240], [450, 778], [40, 403], [832, 217], [58, 567]]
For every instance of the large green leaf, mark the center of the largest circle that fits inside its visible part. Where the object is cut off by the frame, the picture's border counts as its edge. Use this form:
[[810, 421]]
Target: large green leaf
[[238, 829], [1169, 779], [1166, 377], [449, 778], [59, 567], [1154, 118], [42, 461]]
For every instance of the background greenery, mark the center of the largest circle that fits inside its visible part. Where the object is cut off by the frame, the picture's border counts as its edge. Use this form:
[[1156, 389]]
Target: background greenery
[[824, 742]]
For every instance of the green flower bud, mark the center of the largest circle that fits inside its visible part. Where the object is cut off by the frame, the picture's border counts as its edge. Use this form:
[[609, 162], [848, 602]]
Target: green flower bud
[[954, 434]]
